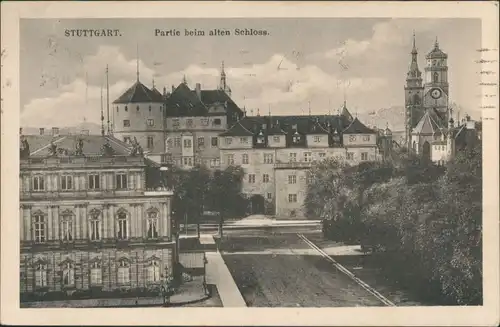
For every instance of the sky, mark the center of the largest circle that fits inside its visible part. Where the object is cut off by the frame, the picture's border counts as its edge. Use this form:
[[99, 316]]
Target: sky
[[302, 63]]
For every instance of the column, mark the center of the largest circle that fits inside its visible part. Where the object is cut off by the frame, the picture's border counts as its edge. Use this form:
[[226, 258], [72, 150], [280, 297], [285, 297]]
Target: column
[[103, 177], [50, 223], [26, 180], [164, 219], [137, 221], [85, 220], [55, 185], [112, 222], [139, 182], [140, 220], [76, 229], [28, 224], [105, 221], [110, 181], [21, 222], [49, 182], [76, 181]]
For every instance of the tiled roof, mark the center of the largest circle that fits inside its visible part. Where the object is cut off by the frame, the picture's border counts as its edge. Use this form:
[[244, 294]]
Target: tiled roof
[[184, 102], [357, 127], [427, 125], [37, 142], [157, 94], [92, 144], [138, 93], [209, 97], [237, 130]]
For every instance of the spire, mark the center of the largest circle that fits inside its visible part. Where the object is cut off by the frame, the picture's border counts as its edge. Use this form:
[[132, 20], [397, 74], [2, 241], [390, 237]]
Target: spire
[[102, 115], [414, 49], [137, 62], [269, 109], [413, 72], [436, 43], [153, 82], [107, 98], [309, 105], [86, 96], [184, 80]]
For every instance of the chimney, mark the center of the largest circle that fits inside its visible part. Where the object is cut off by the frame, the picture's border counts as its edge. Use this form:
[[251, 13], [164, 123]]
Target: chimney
[[198, 90], [470, 124], [55, 131], [42, 131], [164, 91], [173, 88]]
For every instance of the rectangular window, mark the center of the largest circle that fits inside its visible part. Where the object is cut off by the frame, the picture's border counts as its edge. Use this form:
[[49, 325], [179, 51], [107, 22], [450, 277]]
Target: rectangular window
[[68, 275], [268, 158], [276, 139], [216, 122], [214, 141], [251, 178], [201, 142], [317, 139], [230, 159], [350, 156], [39, 228], [127, 139], [175, 122], [177, 142], [95, 230], [187, 143], [123, 275], [244, 159], [228, 140], [96, 276], [94, 181], [41, 275], [293, 157], [364, 156], [126, 123], [243, 140], [265, 178], [307, 156], [66, 182], [153, 274], [292, 179], [352, 138], [269, 196], [366, 137], [38, 183], [122, 233], [150, 142], [322, 154], [204, 121], [292, 197], [67, 228], [151, 122], [121, 181], [188, 161], [189, 122]]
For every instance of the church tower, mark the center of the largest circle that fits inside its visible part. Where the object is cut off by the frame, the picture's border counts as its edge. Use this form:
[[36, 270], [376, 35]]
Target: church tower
[[436, 87], [414, 92], [223, 83]]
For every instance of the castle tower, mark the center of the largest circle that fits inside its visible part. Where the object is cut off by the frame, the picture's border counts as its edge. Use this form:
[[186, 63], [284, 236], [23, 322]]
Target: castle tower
[[223, 83], [414, 92], [436, 87]]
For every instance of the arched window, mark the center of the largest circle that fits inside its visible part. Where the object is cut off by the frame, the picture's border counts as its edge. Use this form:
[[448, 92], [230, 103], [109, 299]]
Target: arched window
[[95, 273], [153, 271], [41, 279], [152, 224], [435, 77], [95, 225], [123, 271], [67, 226], [68, 273], [414, 146], [122, 230]]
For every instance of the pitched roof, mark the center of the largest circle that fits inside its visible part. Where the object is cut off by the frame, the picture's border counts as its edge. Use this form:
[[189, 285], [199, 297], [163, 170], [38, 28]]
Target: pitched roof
[[357, 127], [237, 130], [427, 125], [157, 94], [346, 112], [209, 97], [184, 102], [436, 52], [138, 93], [92, 144]]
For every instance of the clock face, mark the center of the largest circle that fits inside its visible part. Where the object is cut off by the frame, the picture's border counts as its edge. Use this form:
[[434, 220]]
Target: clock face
[[436, 93]]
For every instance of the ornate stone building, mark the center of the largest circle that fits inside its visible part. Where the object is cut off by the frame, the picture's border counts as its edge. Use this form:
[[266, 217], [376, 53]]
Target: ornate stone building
[[91, 216], [277, 151]]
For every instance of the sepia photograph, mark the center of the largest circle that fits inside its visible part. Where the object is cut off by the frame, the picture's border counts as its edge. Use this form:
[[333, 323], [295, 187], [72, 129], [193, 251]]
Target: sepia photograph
[[252, 162]]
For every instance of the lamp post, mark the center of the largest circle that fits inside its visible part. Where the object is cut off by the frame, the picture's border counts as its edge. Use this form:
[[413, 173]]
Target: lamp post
[[205, 261]]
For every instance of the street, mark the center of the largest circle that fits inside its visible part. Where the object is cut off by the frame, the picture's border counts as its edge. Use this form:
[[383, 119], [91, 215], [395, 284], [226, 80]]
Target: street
[[287, 267]]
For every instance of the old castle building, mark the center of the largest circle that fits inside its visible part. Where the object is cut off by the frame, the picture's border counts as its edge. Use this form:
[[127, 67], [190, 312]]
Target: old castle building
[[91, 216], [277, 151], [430, 129]]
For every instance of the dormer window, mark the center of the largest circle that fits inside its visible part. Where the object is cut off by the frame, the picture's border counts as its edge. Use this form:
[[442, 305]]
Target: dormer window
[[126, 108], [260, 138], [296, 137]]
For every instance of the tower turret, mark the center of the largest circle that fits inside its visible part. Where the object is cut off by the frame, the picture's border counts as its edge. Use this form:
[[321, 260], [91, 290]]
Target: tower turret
[[223, 82], [436, 87]]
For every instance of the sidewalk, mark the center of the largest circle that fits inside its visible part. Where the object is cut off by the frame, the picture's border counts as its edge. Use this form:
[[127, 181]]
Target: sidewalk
[[219, 275], [189, 293]]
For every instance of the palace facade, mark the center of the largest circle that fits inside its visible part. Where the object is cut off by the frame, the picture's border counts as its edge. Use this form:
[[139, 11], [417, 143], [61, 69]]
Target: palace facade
[[92, 215]]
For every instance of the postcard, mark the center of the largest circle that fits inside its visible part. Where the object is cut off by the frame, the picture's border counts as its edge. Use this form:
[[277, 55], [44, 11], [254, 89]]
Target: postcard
[[241, 163]]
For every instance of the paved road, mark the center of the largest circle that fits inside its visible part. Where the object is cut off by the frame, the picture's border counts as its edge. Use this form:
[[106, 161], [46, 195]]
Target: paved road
[[278, 268]]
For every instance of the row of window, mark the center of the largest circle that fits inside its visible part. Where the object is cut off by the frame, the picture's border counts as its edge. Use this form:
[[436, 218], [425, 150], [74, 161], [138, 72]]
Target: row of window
[[137, 108], [67, 184], [292, 179], [187, 143], [190, 122], [292, 157], [153, 273], [149, 122], [66, 230], [150, 141]]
